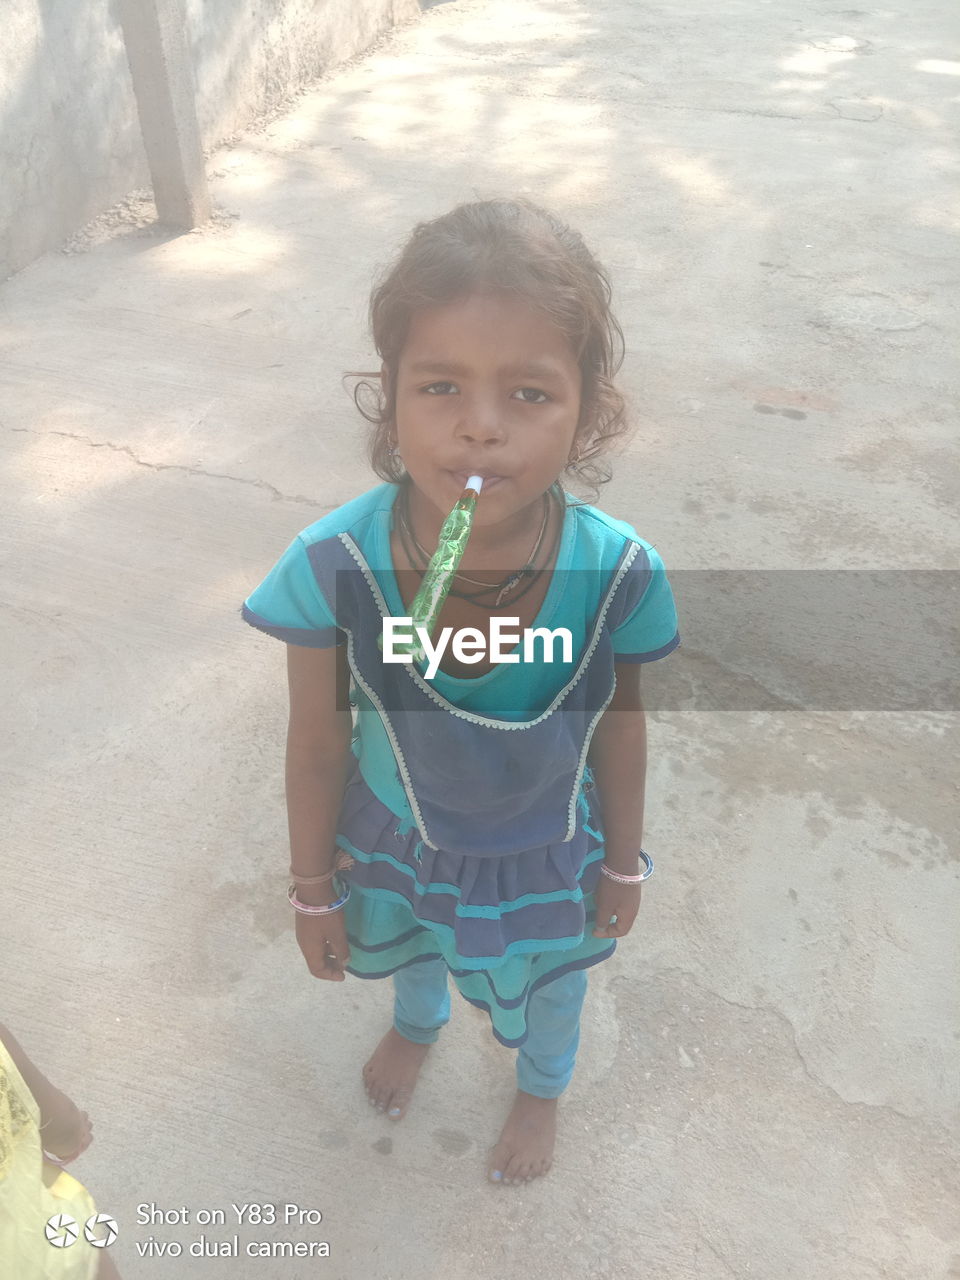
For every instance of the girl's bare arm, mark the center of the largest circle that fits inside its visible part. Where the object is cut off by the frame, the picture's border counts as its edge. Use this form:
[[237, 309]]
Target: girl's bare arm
[[618, 757], [318, 760]]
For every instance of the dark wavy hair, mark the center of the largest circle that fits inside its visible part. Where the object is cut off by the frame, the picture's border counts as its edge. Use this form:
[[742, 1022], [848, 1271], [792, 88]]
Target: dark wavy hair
[[511, 246]]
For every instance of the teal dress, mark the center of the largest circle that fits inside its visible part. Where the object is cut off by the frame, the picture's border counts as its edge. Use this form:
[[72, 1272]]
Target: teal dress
[[506, 924]]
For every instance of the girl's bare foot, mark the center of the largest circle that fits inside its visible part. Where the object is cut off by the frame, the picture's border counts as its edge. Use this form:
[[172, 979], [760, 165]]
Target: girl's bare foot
[[525, 1148], [391, 1073]]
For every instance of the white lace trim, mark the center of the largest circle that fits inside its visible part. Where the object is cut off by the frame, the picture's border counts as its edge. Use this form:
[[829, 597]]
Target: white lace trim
[[575, 796], [450, 707], [374, 586], [394, 743]]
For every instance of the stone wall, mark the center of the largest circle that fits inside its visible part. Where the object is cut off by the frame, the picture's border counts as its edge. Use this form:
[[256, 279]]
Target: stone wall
[[70, 143]]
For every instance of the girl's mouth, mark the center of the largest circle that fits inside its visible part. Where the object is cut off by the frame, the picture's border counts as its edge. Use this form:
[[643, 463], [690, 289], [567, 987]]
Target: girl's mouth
[[461, 478]]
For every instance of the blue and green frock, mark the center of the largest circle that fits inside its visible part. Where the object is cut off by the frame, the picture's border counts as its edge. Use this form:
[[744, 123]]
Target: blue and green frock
[[470, 812]]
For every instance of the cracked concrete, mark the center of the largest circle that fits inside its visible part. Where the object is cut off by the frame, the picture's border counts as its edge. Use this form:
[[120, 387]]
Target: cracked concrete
[[172, 466], [767, 1082]]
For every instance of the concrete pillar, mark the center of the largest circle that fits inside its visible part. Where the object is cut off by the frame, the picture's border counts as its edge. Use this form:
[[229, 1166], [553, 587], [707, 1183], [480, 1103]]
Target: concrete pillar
[[155, 33]]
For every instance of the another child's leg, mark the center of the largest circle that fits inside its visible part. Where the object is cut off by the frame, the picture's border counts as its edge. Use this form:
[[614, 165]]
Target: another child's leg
[[421, 1008], [544, 1067]]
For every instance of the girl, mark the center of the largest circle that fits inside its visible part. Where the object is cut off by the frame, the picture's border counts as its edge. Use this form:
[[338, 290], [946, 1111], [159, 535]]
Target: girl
[[485, 823]]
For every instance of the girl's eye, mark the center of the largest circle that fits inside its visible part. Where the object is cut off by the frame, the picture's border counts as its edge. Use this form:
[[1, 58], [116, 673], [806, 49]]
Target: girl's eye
[[432, 389]]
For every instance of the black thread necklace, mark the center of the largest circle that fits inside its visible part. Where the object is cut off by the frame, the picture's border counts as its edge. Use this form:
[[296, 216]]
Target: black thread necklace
[[502, 588]]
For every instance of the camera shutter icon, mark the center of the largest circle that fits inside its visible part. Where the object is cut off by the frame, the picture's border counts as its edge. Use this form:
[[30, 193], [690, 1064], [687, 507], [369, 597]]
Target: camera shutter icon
[[104, 1239], [61, 1230]]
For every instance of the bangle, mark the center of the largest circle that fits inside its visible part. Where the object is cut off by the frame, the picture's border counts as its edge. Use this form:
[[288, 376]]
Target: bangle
[[60, 1161], [305, 909], [343, 862], [621, 879], [308, 880]]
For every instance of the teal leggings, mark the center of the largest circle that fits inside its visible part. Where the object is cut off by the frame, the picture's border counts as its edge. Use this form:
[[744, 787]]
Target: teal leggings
[[545, 1060]]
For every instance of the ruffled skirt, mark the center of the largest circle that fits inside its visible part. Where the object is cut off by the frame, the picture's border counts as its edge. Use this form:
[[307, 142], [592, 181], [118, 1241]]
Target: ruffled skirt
[[504, 925]]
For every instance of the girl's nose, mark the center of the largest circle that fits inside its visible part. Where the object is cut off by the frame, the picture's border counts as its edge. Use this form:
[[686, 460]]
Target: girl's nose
[[481, 427], [479, 436]]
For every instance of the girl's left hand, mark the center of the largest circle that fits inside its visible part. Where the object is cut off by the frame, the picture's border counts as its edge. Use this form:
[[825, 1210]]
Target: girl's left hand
[[620, 900]]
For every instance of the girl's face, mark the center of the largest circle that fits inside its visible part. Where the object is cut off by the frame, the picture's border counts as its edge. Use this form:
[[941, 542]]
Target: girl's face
[[486, 385]]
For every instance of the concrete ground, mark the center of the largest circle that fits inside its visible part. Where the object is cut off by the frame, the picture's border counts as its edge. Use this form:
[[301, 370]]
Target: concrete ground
[[767, 1084]]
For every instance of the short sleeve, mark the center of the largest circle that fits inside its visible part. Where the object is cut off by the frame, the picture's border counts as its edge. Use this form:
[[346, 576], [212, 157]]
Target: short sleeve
[[649, 631], [289, 604]]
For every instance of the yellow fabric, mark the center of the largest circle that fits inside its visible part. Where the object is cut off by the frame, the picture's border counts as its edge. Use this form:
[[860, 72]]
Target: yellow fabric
[[32, 1190]]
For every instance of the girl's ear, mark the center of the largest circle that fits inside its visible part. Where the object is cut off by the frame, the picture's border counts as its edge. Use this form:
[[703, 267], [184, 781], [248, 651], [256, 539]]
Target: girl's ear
[[582, 440], [588, 427], [385, 383]]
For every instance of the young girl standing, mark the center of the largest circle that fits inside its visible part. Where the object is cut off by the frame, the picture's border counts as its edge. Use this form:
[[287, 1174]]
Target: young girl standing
[[485, 823]]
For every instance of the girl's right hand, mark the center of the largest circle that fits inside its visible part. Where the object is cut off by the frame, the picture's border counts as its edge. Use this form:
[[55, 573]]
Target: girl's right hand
[[323, 941]]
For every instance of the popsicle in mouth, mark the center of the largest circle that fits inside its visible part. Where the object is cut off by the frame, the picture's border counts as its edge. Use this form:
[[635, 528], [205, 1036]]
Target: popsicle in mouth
[[439, 573]]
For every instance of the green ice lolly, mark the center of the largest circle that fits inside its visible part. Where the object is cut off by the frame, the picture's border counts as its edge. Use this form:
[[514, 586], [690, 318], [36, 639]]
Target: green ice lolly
[[439, 574]]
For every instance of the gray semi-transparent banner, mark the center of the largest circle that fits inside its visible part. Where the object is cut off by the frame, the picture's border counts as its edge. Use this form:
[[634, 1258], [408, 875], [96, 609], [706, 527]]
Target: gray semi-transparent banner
[[783, 639], [812, 640]]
